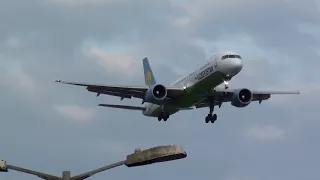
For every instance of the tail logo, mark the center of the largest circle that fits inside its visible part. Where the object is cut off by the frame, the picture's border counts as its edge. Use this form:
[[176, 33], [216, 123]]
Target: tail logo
[[148, 77]]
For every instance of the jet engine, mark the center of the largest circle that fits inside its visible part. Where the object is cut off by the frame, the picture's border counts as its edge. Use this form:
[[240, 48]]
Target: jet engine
[[241, 98], [156, 94]]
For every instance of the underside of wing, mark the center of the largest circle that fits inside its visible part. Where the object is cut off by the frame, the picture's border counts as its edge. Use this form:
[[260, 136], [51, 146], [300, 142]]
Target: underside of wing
[[221, 90], [124, 91], [219, 96], [123, 107]]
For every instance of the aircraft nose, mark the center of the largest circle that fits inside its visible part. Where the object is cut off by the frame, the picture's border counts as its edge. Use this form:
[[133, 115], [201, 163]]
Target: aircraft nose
[[230, 66], [236, 66]]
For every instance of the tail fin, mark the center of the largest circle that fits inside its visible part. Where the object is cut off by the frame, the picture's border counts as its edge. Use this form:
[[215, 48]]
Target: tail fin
[[148, 74]]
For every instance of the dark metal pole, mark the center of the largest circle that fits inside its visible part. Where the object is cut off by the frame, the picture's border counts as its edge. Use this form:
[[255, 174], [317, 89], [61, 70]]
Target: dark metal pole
[[39, 174], [66, 175], [90, 173]]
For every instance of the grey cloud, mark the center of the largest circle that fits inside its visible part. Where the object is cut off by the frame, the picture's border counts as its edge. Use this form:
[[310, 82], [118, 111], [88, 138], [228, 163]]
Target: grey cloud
[[273, 25], [51, 36], [53, 33], [60, 29]]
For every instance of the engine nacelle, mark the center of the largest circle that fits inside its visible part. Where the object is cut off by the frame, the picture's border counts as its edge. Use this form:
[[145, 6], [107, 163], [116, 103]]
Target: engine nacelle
[[156, 94], [241, 98]]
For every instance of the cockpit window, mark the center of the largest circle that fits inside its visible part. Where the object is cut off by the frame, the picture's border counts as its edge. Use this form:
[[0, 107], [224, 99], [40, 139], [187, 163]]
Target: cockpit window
[[231, 56], [237, 56]]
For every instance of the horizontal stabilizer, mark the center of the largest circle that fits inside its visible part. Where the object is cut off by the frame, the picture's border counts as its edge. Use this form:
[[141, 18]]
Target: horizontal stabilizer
[[123, 107]]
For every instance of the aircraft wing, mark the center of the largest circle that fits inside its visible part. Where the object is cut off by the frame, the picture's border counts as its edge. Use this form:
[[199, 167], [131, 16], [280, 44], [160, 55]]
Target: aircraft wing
[[124, 91], [225, 95], [123, 107]]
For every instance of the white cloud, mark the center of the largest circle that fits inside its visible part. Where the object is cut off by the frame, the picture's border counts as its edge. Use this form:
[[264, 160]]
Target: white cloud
[[81, 2], [181, 22], [307, 92], [13, 76], [311, 29], [238, 42], [112, 60], [239, 178], [75, 112], [13, 42], [266, 132], [199, 9], [25, 81], [53, 48], [178, 70], [114, 147]]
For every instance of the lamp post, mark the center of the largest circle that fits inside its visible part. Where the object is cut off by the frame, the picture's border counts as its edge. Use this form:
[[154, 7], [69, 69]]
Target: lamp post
[[138, 158]]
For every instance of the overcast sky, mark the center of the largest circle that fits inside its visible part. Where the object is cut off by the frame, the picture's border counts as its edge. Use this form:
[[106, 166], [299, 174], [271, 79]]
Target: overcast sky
[[51, 127]]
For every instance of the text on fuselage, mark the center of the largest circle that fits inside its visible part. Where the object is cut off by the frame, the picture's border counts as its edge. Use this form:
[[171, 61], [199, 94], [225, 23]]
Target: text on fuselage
[[204, 73]]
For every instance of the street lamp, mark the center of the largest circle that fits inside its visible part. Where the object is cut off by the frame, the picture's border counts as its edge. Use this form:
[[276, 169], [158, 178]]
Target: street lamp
[[138, 158]]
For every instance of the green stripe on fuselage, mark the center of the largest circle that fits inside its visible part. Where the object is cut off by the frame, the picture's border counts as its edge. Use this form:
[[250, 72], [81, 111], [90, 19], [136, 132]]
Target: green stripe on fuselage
[[194, 94]]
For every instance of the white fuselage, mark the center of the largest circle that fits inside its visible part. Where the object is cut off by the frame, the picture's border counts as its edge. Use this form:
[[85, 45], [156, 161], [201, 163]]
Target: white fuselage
[[217, 64]]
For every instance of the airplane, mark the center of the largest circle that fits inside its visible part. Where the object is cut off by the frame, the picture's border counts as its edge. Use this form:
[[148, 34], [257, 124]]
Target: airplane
[[197, 89]]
